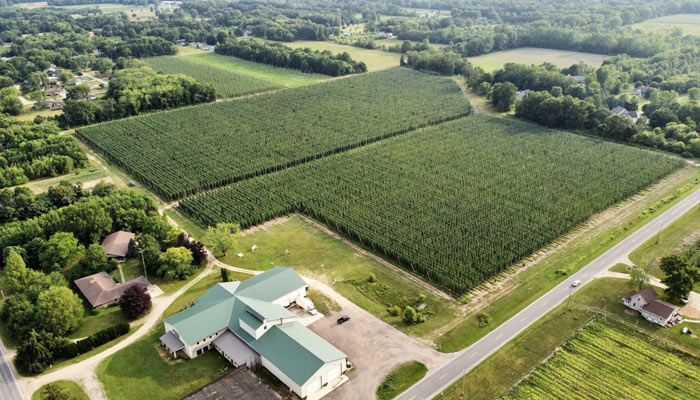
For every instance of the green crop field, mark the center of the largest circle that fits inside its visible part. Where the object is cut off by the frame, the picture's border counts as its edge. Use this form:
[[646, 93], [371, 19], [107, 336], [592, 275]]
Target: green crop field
[[279, 77], [606, 361], [530, 55], [456, 203], [184, 151], [687, 24], [226, 83]]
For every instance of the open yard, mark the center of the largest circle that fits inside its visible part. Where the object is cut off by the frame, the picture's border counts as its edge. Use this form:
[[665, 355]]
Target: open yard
[[531, 55], [375, 59], [69, 389], [686, 24]]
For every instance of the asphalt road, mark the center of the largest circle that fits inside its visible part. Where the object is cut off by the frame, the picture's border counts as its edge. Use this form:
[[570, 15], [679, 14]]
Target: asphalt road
[[9, 390], [464, 361]]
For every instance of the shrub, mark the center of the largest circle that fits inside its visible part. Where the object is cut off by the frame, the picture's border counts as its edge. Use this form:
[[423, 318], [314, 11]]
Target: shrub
[[483, 319], [394, 310], [372, 278]]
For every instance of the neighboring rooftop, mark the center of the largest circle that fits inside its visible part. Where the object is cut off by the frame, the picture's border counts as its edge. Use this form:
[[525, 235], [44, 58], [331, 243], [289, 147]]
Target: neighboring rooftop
[[117, 244], [648, 294], [100, 289]]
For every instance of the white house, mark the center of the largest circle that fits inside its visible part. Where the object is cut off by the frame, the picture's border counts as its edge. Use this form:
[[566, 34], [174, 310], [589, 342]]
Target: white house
[[647, 303], [249, 324]]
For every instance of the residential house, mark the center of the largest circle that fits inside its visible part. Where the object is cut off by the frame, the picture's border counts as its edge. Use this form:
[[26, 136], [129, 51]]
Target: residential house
[[180, 42], [53, 104], [522, 93], [249, 324], [101, 290], [647, 303], [619, 110], [578, 78], [116, 244], [54, 90], [640, 91], [52, 71]]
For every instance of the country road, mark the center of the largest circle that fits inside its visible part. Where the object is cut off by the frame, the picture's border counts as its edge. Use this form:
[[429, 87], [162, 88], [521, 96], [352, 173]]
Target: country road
[[464, 361], [9, 390]]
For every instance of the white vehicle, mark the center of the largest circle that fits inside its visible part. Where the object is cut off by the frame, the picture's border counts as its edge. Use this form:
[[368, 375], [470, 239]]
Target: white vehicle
[[576, 283], [686, 300]]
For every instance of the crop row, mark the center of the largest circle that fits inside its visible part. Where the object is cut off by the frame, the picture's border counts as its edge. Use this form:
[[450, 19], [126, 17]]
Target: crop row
[[603, 361], [188, 150], [226, 83], [456, 203]]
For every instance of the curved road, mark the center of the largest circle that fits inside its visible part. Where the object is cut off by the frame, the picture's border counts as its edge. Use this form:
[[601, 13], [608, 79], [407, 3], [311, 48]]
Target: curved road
[[464, 361]]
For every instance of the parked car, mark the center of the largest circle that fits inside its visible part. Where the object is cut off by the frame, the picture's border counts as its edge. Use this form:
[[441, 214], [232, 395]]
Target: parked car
[[343, 319], [686, 300], [576, 283]]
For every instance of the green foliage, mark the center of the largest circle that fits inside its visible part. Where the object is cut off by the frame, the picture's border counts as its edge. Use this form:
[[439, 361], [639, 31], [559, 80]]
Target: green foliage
[[176, 263], [503, 96], [224, 275], [493, 183], [400, 379], [58, 310], [608, 361], [226, 83], [372, 278], [223, 237], [411, 316], [34, 355], [15, 272], [483, 319], [680, 276], [95, 260], [394, 310], [337, 116], [59, 250]]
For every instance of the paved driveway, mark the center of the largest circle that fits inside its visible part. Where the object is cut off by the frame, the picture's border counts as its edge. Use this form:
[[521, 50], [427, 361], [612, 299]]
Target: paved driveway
[[374, 347]]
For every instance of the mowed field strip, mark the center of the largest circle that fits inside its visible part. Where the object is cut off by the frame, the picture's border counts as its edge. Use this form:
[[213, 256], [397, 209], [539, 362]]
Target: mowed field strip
[[456, 203], [232, 76], [181, 152], [532, 55], [688, 24]]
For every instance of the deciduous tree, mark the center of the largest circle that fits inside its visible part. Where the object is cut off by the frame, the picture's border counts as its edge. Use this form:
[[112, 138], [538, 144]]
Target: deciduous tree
[[135, 301], [176, 263], [58, 310], [223, 237]]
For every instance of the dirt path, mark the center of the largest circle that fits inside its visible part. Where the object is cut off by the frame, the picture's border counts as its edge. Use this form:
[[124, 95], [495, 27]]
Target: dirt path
[[85, 373], [467, 94], [91, 184], [380, 260]]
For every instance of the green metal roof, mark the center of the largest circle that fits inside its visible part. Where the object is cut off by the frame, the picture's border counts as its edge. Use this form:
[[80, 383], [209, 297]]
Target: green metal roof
[[264, 310], [296, 350], [250, 319], [203, 319], [271, 284]]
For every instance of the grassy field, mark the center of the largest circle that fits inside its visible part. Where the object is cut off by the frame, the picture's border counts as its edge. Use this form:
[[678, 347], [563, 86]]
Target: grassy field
[[225, 82], [687, 24], [400, 379], [235, 67], [189, 50], [299, 244], [143, 370], [439, 200], [69, 388], [494, 376], [607, 360], [133, 11], [531, 55], [394, 42], [581, 249], [375, 59], [684, 231], [89, 173], [97, 319]]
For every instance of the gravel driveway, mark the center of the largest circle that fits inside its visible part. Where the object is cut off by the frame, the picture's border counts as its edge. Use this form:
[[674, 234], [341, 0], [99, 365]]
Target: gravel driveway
[[374, 347]]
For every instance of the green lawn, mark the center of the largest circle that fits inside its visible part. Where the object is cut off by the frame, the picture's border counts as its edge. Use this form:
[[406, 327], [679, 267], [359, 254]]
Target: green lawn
[[69, 388], [95, 320], [316, 254], [687, 24], [538, 279], [323, 304], [278, 76], [503, 369], [189, 50], [400, 379], [375, 59], [683, 231], [139, 371], [186, 224], [89, 173], [531, 55], [31, 113]]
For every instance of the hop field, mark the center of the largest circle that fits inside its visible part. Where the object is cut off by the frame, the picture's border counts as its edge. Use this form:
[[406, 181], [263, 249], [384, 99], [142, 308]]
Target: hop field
[[457, 202], [184, 151], [225, 83], [607, 361]]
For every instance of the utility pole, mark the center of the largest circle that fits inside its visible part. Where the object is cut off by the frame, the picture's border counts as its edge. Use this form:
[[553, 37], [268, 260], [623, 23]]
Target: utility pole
[[144, 264]]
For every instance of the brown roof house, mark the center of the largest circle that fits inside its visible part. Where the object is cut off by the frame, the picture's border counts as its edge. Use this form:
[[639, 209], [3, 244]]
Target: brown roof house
[[101, 290], [116, 244], [647, 303]]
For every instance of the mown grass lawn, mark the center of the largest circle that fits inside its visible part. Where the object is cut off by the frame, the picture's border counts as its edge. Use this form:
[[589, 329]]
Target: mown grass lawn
[[299, 244], [688, 24], [140, 372], [95, 320], [498, 373], [400, 379], [69, 388], [531, 55]]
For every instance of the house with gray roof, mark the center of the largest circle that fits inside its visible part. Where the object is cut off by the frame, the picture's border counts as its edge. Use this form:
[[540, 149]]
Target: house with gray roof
[[116, 244], [652, 309], [249, 324], [101, 290]]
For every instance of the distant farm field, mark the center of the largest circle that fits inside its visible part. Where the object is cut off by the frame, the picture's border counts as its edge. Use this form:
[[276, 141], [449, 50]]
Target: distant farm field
[[225, 82], [455, 203], [375, 59], [532, 55], [606, 361], [688, 24], [184, 151]]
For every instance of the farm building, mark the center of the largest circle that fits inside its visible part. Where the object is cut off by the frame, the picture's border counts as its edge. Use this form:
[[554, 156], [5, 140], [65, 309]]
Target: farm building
[[116, 244], [101, 290], [647, 303], [522, 93], [249, 324]]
